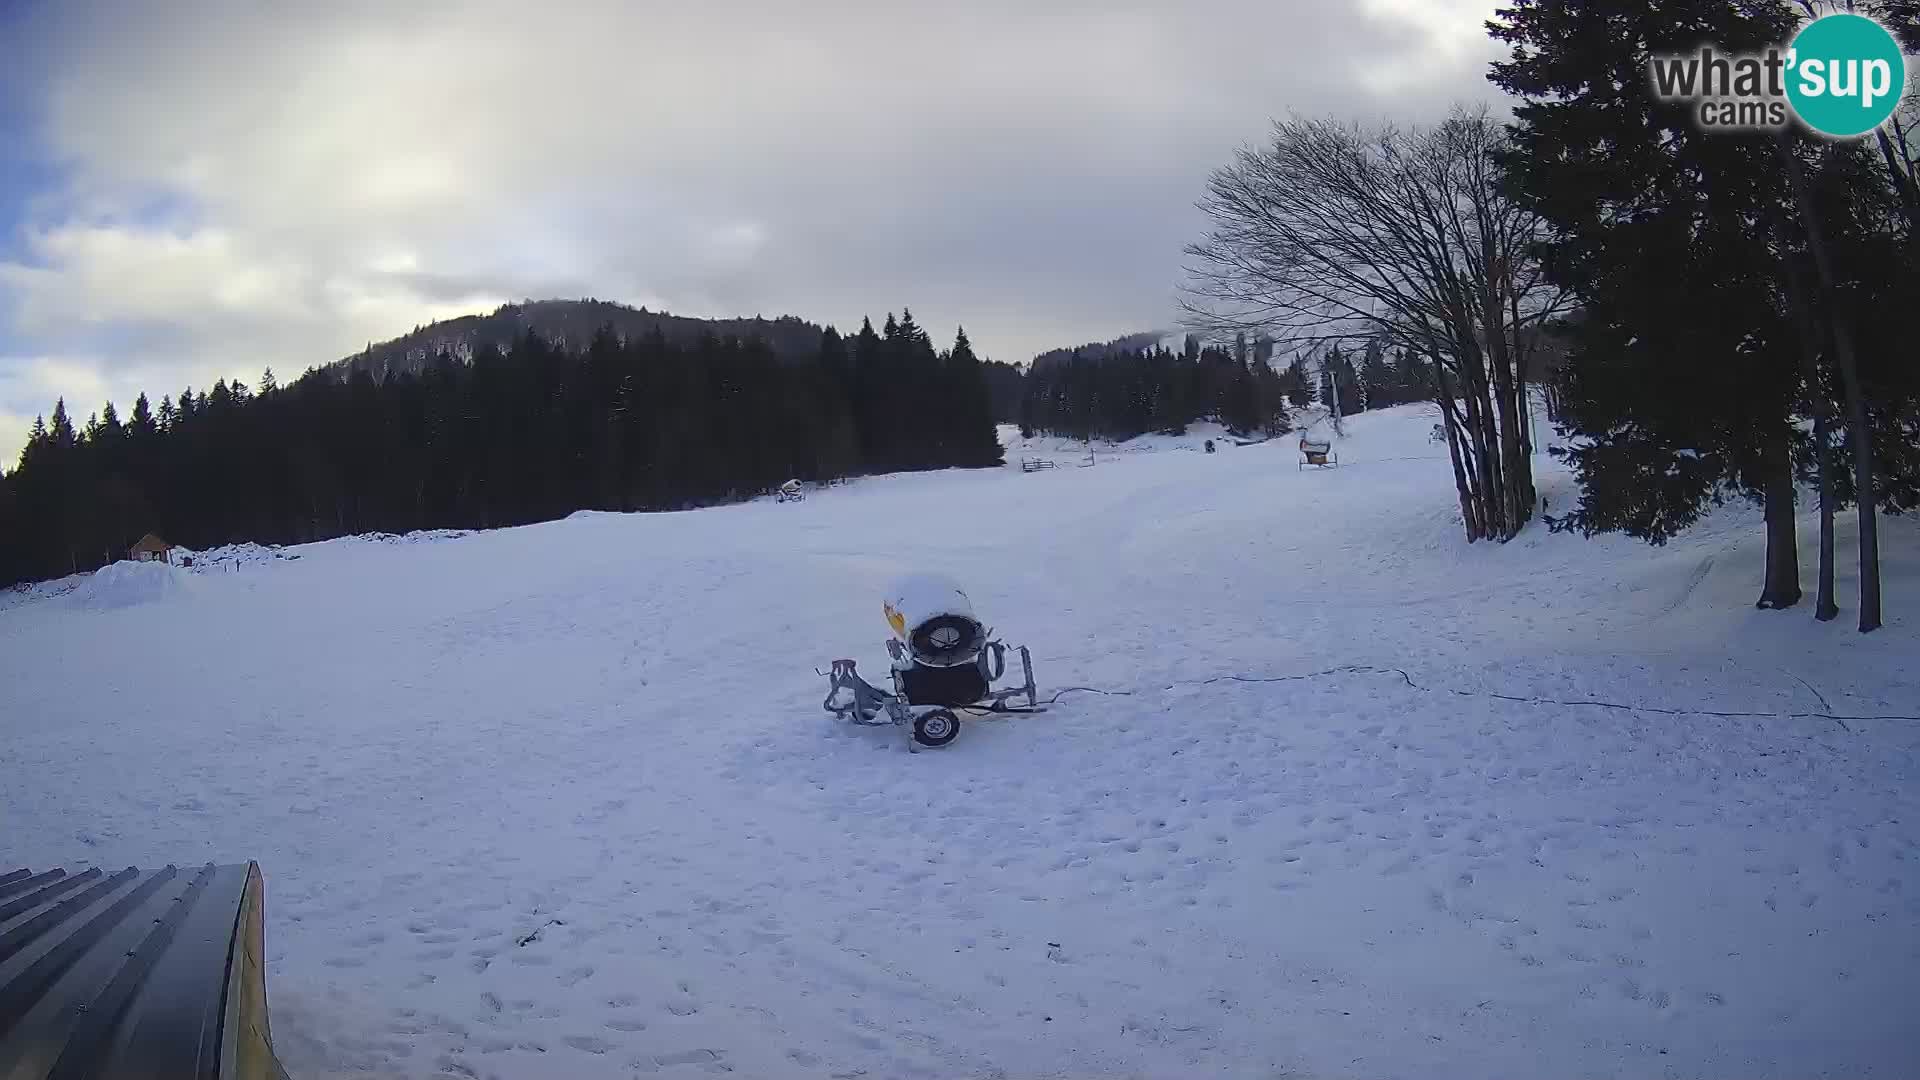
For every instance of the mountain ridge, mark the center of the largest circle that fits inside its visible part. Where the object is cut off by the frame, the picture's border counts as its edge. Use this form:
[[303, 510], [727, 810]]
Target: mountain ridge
[[569, 324]]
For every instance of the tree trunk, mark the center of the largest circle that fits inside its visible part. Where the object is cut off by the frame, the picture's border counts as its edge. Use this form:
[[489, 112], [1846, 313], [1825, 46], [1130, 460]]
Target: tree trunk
[[1443, 397], [1858, 425], [1484, 465], [1481, 456], [1824, 607], [1782, 587], [1516, 491]]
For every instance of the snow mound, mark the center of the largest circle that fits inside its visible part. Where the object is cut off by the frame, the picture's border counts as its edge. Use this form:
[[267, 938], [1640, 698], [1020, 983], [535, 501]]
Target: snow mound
[[421, 536], [28, 592], [223, 557], [128, 584]]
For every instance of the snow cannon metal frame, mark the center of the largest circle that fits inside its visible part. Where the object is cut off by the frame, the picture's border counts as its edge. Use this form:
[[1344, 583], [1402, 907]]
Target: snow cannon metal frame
[[945, 661]]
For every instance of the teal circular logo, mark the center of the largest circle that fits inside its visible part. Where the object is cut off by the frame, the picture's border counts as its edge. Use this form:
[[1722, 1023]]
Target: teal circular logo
[[1845, 75]]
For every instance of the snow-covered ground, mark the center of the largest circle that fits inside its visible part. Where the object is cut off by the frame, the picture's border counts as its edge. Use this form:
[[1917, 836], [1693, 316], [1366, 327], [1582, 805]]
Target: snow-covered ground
[[1359, 800]]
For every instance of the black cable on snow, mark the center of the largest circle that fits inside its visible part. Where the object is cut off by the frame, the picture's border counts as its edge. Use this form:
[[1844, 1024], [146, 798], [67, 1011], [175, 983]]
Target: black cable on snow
[[1367, 669]]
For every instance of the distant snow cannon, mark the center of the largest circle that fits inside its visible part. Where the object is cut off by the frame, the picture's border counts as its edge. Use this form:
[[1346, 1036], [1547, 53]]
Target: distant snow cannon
[[945, 661]]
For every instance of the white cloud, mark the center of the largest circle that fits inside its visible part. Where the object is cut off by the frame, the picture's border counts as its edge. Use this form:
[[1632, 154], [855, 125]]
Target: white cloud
[[29, 386], [250, 185]]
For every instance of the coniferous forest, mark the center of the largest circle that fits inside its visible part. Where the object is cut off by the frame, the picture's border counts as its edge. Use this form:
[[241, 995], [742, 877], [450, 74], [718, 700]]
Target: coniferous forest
[[1120, 390], [520, 434]]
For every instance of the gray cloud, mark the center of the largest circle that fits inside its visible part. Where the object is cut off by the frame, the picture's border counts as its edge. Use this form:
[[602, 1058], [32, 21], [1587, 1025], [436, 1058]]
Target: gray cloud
[[250, 184]]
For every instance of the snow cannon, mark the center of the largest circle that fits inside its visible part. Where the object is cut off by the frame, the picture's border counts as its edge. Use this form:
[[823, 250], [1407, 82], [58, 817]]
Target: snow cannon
[[945, 662]]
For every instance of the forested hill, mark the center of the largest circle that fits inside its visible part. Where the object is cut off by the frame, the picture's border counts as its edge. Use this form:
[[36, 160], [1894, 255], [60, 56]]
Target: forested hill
[[568, 325], [512, 435], [1129, 345]]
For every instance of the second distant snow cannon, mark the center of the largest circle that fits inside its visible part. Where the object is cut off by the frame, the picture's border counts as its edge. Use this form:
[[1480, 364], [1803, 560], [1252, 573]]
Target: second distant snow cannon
[[945, 661]]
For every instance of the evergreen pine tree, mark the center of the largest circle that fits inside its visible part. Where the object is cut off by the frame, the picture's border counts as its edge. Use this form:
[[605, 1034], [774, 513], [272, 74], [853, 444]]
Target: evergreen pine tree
[[872, 396], [62, 433], [1240, 408], [1376, 380], [1684, 369], [37, 439], [1299, 384], [975, 441]]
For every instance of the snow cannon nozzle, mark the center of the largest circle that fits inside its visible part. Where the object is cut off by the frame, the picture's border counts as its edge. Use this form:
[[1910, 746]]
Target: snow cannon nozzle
[[932, 617]]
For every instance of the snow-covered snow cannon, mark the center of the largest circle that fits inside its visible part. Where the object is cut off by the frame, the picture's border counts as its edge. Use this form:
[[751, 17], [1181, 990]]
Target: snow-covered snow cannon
[[945, 662]]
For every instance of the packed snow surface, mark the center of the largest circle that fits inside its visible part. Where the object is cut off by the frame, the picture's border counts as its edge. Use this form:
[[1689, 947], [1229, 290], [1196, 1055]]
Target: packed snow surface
[[1348, 797]]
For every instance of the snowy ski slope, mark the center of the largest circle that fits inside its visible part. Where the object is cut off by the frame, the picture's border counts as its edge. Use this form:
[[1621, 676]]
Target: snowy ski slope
[[1359, 800]]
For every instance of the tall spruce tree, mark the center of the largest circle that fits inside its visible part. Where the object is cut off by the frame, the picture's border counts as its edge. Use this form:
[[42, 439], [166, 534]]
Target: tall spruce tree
[[1682, 373], [974, 440], [1376, 381]]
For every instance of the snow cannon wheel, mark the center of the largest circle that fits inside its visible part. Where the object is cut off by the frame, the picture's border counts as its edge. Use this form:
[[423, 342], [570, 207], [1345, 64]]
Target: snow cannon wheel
[[937, 727]]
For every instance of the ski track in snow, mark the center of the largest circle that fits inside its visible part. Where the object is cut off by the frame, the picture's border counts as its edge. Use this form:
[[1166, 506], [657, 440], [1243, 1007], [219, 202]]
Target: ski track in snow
[[560, 800]]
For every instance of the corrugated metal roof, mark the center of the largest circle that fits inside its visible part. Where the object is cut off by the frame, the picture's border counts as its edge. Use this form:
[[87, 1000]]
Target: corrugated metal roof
[[132, 973]]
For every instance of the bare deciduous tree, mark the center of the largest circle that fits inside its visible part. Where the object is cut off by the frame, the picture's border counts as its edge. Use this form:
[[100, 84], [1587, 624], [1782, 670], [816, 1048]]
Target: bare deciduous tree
[[1336, 233]]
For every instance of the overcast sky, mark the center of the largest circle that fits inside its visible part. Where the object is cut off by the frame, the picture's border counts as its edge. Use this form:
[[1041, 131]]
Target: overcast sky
[[190, 191]]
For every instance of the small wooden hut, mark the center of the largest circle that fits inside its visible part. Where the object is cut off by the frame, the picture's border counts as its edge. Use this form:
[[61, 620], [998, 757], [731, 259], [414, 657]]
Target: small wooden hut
[[151, 549]]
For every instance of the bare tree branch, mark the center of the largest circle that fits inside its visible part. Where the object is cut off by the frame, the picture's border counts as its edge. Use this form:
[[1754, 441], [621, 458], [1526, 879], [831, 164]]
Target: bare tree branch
[[1334, 233]]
